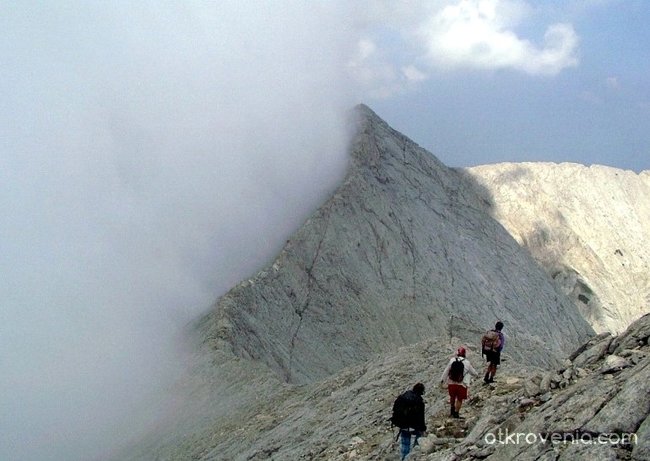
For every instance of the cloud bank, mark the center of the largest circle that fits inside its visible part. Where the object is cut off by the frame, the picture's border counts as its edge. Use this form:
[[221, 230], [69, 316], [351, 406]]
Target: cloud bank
[[152, 155]]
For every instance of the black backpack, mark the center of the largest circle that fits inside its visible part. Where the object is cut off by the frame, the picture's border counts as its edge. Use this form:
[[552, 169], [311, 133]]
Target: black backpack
[[405, 410], [457, 370]]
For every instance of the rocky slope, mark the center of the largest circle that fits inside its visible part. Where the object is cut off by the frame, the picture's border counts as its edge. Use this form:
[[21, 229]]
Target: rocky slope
[[405, 250], [587, 226], [601, 390], [595, 407], [404, 263]]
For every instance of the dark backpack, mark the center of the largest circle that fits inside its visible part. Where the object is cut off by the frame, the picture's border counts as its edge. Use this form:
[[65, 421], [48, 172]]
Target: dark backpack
[[457, 370], [405, 410], [491, 340]]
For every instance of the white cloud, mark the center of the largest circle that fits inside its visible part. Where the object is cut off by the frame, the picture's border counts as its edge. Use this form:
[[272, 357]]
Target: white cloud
[[480, 34], [414, 74], [366, 48], [373, 72], [405, 42]]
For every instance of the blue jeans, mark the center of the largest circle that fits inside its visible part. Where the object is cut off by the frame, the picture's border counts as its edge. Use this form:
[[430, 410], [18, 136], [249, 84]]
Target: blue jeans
[[405, 441]]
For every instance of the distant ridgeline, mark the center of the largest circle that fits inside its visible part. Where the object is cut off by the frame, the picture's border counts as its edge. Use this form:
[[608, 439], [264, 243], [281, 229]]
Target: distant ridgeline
[[589, 227]]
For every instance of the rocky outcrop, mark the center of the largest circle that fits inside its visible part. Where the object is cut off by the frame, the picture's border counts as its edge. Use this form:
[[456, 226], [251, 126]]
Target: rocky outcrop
[[598, 409], [587, 226], [405, 250], [586, 409]]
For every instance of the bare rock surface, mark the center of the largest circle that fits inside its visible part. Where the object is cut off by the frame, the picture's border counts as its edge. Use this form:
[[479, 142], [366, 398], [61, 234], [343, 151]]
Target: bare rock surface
[[344, 417], [594, 417], [403, 264], [404, 250], [587, 226]]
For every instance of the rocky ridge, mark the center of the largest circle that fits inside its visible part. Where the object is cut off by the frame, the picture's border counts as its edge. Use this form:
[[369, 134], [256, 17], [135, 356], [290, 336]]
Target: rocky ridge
[[404, 250], [403, 264], [587, 226], [601, 389]]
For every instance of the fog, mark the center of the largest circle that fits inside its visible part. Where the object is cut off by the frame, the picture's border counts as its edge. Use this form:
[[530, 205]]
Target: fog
[[151, 155]]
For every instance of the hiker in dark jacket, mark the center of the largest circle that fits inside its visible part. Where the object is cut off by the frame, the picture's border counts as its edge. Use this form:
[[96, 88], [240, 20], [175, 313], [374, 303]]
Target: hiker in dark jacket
[[457, 383], [492, 344], [411, 425]]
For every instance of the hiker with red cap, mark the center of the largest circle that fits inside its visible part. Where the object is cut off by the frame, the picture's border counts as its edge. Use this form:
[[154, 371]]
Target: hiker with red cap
[[457, 376]]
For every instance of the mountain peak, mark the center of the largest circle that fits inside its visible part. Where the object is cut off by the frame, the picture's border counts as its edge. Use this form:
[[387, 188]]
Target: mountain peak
[[400, 266], [402, 251]]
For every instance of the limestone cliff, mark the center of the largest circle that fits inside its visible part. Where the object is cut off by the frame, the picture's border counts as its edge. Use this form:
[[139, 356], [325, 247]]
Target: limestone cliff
[[589, 227]]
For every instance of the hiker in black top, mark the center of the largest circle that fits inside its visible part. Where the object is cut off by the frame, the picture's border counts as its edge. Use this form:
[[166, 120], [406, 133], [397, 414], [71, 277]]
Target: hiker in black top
[[492, 344], [408, 415]]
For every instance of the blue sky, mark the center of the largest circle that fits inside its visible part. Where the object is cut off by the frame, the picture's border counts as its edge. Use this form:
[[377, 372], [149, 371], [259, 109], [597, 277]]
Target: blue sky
[[592, 108], [154, 154]]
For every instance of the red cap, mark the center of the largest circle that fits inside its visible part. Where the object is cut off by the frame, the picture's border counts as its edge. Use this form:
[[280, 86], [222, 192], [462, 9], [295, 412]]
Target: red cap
[[461, 351]]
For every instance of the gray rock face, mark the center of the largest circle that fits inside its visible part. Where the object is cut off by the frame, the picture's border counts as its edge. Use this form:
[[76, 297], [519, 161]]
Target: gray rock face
[[588, 227], [405, 250]]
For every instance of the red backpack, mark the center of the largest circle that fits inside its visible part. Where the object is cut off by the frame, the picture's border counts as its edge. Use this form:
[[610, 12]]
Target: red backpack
[[491, 341]]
